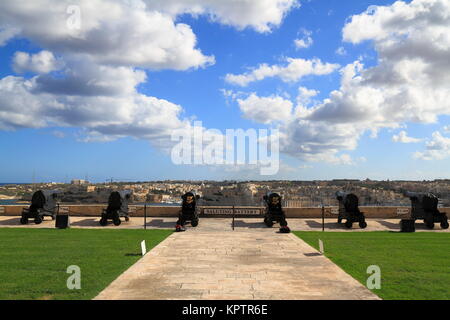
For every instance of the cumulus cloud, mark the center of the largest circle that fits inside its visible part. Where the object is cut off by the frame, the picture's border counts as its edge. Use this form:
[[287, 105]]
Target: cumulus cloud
[[42, 62], [305, 96], [341, 51], [95, 87], [84, 78], [292, 72], [402, 137], [102, 117], [261, 15], [409, 83], [305, 42], [7, 33], [265, 109], [125, 33], [436, 149]]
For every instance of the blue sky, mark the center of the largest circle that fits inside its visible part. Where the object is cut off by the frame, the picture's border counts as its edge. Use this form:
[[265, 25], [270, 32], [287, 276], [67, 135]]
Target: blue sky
[[57, 150]]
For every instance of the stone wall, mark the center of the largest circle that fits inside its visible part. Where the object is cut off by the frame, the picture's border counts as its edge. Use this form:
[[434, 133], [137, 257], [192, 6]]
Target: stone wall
[[96, 210]]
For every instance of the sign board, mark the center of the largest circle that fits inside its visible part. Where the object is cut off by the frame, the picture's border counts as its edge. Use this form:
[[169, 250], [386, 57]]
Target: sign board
[[64, 210], [402, 211], [2, 210], [143, 248], [321, 246], [229, 211], [334, 210]]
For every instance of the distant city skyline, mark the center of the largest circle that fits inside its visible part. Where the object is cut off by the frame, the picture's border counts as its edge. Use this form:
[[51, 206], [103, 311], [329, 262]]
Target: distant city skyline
[[96, 89]]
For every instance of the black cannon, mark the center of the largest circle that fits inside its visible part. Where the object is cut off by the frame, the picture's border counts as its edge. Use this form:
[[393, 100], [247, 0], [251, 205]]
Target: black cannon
[[274, 212], [43, 204], [188, 211], [425, 206], [349, 210], [117, 208]]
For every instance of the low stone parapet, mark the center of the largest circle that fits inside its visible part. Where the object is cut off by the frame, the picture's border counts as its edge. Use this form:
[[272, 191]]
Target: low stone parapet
[[170, 211]]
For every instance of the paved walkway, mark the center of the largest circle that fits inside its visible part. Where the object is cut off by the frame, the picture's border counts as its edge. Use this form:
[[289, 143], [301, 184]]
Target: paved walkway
[[258, 264]]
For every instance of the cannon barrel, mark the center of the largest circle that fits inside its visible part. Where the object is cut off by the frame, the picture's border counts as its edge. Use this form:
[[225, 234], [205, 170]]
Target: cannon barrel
[[118, 200], [189, 201], [44, 199]]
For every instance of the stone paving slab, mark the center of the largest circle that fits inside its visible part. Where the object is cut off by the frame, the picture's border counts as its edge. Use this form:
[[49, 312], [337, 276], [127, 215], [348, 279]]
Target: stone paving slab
[[227, 265], [216, 224]]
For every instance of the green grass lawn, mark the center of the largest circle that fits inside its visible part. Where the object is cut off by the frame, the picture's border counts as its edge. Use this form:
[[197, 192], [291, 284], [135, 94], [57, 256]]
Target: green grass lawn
[[33, 262], [413, 265]]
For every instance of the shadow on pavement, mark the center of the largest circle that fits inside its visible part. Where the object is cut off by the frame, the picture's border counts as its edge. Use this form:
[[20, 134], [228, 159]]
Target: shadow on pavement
[[329, 225], [92, 222], [250, 225], [11, 222], [159, 223], [313, 254], [390, 225]]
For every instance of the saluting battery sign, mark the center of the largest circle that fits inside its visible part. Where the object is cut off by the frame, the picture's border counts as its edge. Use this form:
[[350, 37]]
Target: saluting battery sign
[[229, 211]]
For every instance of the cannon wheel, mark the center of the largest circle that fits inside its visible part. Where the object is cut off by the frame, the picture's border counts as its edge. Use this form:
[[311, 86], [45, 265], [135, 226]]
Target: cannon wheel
[[429, 223], [348, 224], [38, 220], [24, 220], [127, 219], [363, 224], [117, 221], [268, 222], [194, 223], [444, 224], [339, 220], [103, 222]]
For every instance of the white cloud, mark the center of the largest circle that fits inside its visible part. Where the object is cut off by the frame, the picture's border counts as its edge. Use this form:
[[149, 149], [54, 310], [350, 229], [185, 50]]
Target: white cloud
[[409, 84], [96, 89], [436, 149], [261, 15], [7, 33], [306, 41], [446, 129], [265, 109], [402, 137], [42, 62], [305, 95], [125, 33], [341, 51], [293, 72], [102, 117], [84, 78]]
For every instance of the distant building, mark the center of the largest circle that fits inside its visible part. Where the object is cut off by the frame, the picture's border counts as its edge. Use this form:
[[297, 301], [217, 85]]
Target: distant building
[[155, 198], [79, 182]]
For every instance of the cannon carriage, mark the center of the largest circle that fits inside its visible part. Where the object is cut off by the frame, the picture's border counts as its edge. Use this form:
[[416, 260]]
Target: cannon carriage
[[424, 206], [43, 204], [274, 212], [117, 207], [349, 210]]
